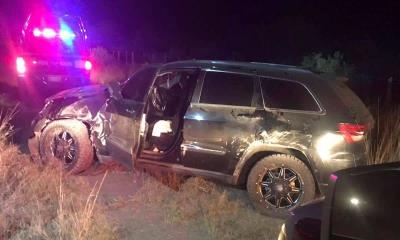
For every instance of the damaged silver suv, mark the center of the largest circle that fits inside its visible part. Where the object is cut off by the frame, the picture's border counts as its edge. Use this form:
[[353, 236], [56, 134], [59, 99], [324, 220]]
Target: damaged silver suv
[[276, 130]]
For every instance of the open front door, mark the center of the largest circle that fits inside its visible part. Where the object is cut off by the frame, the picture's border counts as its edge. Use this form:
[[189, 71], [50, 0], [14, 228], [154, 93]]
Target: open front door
[[123, 133], [123, 114]]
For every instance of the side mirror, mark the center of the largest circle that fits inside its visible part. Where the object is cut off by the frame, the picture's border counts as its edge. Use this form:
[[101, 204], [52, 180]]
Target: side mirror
[[363, 203], [114, 88]]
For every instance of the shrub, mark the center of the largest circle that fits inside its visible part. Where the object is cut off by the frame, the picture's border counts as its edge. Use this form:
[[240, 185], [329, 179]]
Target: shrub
[[332, 66], [383, 143]]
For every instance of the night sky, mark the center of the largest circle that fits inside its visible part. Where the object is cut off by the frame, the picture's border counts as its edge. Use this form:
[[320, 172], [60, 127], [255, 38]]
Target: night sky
[[270, 31]]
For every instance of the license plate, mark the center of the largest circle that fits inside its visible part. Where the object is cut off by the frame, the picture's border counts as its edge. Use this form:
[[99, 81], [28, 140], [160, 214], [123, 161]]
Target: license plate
[[54, 78]]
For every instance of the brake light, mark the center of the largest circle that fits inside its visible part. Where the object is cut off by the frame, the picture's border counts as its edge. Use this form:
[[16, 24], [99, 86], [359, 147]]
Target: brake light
[[21, 66], [352, 132], [88, 65]]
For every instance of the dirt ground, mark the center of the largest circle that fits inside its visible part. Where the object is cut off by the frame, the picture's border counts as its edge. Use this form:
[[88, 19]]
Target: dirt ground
[[140, 220]]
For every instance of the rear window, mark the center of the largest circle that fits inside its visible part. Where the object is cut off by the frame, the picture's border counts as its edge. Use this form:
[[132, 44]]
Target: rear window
[[65, 35], [71, 23], [351, 100], [281, 94], [227, 89]]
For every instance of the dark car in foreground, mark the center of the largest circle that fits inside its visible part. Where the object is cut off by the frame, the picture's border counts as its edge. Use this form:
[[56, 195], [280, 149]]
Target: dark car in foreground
[[52, 54], [362, 203], [277, 130]]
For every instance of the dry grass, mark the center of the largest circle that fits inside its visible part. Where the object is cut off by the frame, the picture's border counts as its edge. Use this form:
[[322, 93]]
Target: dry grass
[[42, 203], [384, 142], [198, 202]]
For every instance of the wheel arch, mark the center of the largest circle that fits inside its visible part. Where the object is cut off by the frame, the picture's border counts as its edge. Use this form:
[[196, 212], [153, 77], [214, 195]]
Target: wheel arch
[[251, 157]]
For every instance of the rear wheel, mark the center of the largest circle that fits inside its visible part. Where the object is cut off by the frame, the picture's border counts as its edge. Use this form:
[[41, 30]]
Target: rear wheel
[[67, 143], [279, 183]]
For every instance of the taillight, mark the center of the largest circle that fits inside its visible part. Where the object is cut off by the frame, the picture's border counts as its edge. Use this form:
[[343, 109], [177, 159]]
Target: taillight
[[88, 65], [21, 66], [352, 132]]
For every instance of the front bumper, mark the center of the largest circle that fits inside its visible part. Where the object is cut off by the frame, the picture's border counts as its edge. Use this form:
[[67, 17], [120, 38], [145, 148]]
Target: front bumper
[[333, 165]]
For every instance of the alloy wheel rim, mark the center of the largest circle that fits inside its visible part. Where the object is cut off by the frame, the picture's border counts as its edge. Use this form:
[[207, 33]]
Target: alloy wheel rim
[[63, 148], [281, 187]]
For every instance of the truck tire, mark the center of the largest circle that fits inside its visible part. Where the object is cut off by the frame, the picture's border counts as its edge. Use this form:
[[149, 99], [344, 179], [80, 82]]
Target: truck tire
[[279, 183], [67, 143]]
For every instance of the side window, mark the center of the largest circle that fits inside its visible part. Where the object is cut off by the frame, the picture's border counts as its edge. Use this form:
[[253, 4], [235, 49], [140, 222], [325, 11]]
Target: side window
[[138, 85], [227, 89], [289, 95]]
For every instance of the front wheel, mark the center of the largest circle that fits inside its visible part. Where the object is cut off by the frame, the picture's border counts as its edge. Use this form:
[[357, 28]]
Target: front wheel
[[67, 143], [279, 183]]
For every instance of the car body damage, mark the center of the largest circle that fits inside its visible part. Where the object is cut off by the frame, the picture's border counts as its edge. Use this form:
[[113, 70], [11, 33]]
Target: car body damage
[[90, 105], [242, 135], [247, 124]]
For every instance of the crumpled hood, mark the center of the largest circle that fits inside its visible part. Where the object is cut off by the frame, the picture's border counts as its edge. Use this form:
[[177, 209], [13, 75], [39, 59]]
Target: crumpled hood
[[80, 92]]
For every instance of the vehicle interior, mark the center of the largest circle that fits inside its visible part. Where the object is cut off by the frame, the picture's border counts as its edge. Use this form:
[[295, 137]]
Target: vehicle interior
[[167, 103]]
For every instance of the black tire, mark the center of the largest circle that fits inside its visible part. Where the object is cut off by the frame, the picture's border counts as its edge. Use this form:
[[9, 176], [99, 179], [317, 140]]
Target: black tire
[[83, 155], [290, 164]]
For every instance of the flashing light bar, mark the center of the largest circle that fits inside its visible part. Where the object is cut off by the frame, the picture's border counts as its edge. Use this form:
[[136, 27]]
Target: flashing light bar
[[51, 33]]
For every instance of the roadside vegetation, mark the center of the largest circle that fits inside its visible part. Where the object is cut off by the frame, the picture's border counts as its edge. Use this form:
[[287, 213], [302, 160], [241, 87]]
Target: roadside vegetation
[[40, 202], [219, 212], [383, 142]]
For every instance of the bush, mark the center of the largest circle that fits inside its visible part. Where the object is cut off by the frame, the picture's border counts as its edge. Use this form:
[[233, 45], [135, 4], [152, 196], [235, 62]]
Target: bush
[[383, 143], [332, 66]]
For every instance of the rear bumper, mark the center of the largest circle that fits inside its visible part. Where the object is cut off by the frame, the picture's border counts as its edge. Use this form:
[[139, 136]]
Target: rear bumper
[[333, 165], [46, 75], [47, 85]]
